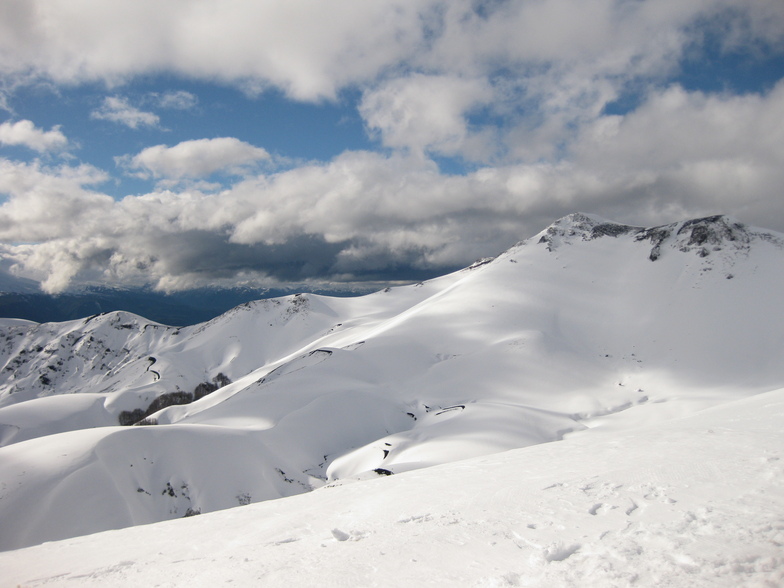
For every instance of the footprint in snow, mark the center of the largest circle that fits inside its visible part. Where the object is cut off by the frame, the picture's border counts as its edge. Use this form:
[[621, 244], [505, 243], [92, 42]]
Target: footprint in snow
[[560, 552], [601, 508], [340, 535]]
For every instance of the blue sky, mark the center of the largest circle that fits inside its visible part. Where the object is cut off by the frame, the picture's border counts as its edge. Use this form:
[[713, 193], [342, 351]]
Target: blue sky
[[351, 144], [299, 131]]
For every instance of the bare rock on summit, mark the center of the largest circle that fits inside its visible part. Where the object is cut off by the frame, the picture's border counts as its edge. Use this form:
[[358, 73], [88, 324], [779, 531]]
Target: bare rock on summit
[[701, 236]]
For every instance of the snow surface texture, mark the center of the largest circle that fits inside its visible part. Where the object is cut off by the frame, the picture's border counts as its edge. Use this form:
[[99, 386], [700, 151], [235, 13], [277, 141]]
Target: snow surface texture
[[599, 333], [696, 502]]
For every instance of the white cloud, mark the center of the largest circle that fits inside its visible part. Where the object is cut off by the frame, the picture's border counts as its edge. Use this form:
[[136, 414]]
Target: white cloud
[[117, 109], [693, 153], [177, 100], [674, 126], [750, 25], [367, 216], [312, 50], [25, 133], [308, 49], [541, 73], [48, 203], [427, 113], [195, 159]]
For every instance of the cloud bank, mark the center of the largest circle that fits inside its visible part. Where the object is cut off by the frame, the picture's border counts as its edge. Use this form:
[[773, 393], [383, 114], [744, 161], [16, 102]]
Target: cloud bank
[[553, 106]]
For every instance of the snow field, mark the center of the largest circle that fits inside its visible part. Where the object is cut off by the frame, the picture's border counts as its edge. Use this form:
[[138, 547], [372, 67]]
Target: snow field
[[696, 501]]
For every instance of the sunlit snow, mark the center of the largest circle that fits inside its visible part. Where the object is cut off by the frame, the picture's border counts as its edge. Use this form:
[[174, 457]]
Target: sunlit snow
[[650, 357]]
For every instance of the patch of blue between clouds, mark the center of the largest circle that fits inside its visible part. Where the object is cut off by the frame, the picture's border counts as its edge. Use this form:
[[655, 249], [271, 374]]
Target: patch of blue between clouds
[[713, 71], [293, 132]]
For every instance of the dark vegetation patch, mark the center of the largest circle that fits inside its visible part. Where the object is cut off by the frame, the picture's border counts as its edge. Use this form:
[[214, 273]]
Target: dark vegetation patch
[[206, 388], [142, 417]]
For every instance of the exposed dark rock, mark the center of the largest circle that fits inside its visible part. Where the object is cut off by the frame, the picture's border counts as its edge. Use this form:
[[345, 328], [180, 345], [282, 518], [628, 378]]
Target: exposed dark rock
[[583, 227], [657, 236], [610, 230], [480, 262], [713, 231], [702, 236], [451, 408]]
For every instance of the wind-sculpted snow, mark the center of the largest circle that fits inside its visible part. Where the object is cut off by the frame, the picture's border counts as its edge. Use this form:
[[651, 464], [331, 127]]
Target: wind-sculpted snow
[[589, 328], [692, 502]]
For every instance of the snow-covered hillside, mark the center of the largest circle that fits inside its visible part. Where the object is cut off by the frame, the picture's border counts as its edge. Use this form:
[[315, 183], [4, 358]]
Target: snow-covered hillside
[[590, 330], [694, 502]]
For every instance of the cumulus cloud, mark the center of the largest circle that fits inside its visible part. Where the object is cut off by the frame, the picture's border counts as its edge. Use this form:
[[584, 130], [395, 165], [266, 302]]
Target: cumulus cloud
[[312, 50], [708, 153], [45, 203], [368, 216], [195, 159], [519, 87], [25, 133], [674, 126], [308, 49], [118, 109], [427, 113]]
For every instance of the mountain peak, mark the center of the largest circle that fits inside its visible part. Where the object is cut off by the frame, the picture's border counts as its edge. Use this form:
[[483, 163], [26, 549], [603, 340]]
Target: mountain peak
[[700, 235], [580, 226]]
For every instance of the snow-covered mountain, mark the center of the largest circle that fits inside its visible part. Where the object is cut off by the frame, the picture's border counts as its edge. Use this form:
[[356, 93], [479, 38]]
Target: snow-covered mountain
[[188, 307], [589, 330]]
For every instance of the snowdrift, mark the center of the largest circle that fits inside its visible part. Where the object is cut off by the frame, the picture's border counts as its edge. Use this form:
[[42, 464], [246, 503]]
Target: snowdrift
[[696, 501]]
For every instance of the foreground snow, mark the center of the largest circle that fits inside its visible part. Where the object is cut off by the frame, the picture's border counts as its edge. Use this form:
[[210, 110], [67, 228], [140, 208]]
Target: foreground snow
[[694, 502]]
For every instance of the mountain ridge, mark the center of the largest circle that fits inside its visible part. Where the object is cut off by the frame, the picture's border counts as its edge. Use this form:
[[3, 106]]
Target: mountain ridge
[[571, 332], [702, 235]]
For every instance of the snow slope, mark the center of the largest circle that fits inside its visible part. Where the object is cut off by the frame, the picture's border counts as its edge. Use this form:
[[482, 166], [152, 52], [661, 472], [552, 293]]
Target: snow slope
[[588, 331], [696, 501]]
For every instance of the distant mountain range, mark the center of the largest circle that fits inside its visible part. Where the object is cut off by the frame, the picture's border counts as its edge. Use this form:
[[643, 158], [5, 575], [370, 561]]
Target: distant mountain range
[[23, 299], [590, 326]]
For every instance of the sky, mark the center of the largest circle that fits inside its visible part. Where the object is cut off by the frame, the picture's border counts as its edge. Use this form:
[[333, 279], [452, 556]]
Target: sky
[[202, 143]]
